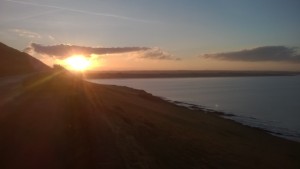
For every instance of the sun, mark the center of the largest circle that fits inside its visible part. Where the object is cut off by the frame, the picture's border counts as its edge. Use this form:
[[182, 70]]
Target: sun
[[77, 62]]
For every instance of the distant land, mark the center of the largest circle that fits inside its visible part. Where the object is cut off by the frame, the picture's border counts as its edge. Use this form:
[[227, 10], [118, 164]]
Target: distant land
[[184, 73]]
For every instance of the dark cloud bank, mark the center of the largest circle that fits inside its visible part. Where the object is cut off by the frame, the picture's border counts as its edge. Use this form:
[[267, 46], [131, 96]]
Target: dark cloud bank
[[62, 51], [260, 54]]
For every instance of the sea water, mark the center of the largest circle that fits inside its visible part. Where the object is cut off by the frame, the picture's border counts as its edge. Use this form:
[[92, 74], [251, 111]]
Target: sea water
[[270, 103]]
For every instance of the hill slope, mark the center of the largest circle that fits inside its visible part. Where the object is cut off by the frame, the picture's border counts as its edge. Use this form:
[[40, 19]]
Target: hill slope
[[14, 62], [63, 122]]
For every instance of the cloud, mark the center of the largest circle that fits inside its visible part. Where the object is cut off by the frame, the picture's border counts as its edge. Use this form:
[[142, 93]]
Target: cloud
[[80, 11], [259, 54], [26, 17], [51, 37], [25, 33], [157, 53], [63, 51]]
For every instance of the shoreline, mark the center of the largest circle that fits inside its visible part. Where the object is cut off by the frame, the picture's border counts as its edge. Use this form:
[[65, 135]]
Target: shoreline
[[267, 126], [221, 114], [231, 116], [196, 112]]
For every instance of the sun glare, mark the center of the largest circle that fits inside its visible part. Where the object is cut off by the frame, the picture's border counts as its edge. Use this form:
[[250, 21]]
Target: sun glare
[[77, 62]]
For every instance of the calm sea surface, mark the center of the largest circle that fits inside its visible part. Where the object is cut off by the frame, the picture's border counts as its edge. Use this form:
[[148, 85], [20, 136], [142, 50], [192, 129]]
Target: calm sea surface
[[271, 103]]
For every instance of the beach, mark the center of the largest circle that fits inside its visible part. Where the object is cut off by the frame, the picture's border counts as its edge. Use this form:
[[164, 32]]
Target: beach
[[56, 120]]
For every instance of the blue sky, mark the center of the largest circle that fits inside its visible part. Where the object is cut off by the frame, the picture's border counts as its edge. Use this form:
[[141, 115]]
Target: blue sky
[[185, 29]]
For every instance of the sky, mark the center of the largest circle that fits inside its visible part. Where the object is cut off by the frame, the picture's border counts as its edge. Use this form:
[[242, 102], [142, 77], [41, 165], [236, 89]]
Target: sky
[[157, 34]]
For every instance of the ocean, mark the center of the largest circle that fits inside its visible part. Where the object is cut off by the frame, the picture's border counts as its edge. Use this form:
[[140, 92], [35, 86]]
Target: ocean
[[269, 103]]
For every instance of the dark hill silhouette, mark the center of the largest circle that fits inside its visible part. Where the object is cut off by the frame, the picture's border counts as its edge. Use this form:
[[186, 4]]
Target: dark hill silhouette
[[14, 62]]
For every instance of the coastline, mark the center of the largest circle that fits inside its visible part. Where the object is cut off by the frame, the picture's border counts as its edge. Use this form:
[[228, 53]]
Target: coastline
[[78, 124], [237, 119], [273, 126]]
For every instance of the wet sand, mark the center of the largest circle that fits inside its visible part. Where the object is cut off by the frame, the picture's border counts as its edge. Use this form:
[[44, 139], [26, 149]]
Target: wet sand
[[55, 120]]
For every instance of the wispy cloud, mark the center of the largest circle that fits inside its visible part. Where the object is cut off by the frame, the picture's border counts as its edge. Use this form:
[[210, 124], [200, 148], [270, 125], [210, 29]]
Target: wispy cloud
[[51, 37], [80, 11], [63, 51], [26, 33], [259, 54], [26, 17], [157, 53]]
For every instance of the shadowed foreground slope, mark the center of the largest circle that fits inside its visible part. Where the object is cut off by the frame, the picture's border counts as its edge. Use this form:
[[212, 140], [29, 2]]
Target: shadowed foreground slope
[[55, 120], [14, 62]]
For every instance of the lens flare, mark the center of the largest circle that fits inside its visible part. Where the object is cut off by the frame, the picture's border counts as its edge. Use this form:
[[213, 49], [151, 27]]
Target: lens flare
[[77, 62]]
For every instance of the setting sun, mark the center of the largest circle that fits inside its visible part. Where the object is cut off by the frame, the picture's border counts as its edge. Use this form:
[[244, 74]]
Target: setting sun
[[78, 62]]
